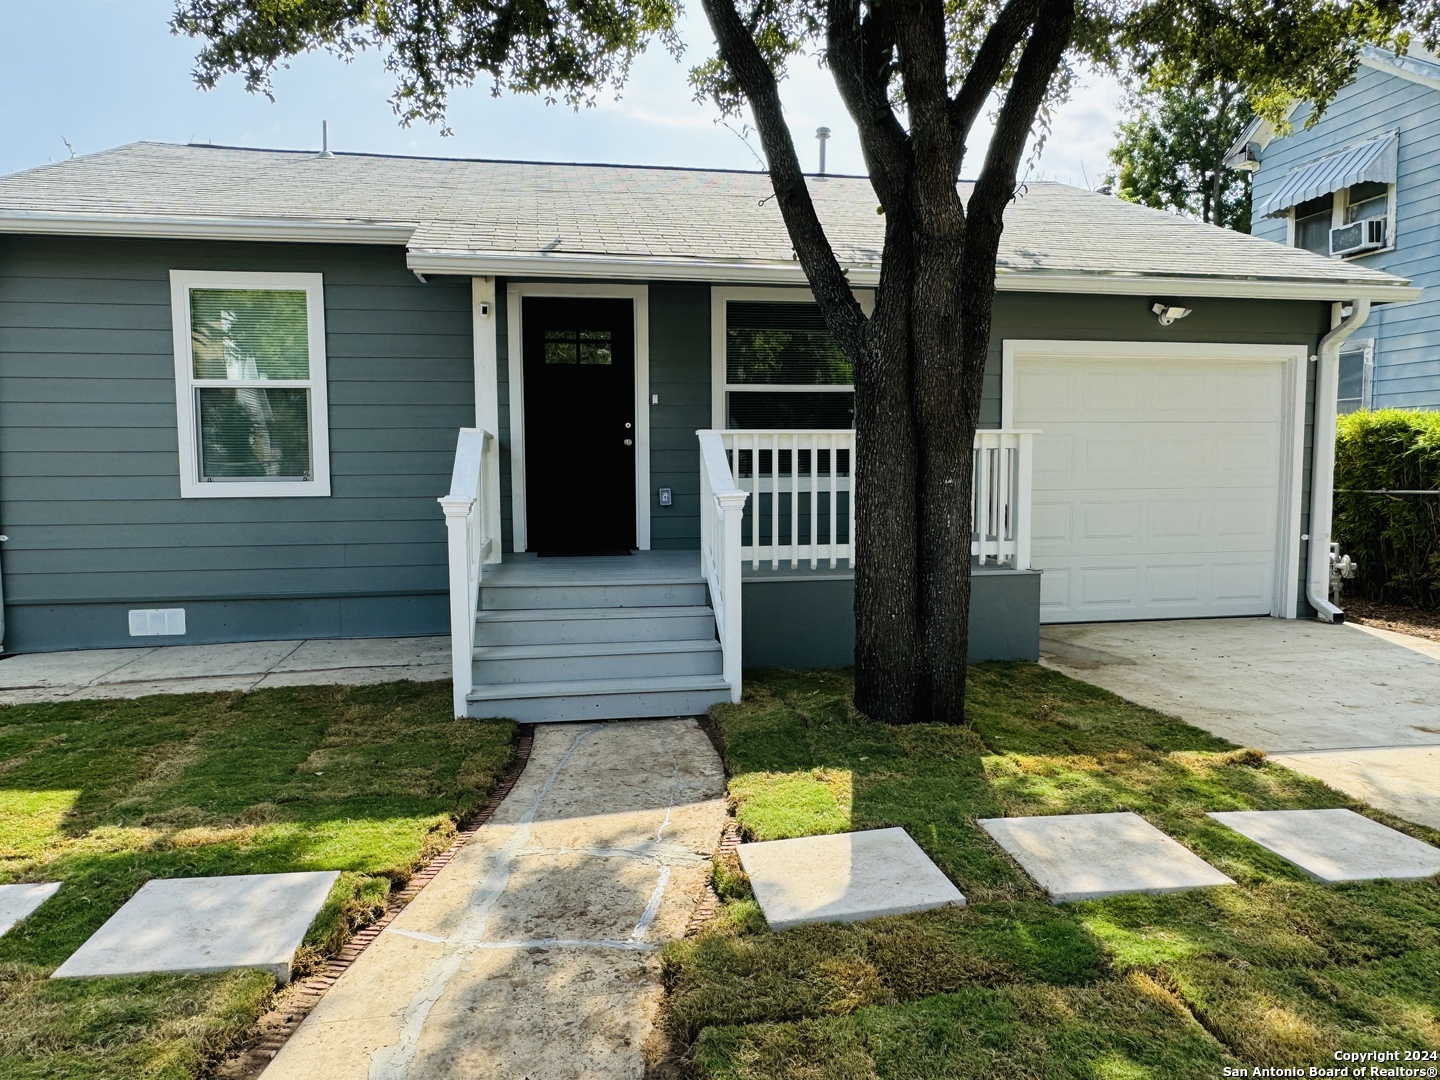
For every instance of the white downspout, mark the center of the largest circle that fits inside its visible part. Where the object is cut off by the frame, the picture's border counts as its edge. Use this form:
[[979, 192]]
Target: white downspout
[[1322, 472]]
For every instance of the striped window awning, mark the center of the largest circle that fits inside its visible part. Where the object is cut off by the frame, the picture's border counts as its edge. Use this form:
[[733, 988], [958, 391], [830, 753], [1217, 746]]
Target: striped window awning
[[1374, 160]]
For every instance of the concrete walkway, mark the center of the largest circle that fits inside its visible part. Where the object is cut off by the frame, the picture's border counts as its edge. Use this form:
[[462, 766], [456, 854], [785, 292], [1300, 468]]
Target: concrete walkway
[[1356, 708], [246, 665], [533, 953]]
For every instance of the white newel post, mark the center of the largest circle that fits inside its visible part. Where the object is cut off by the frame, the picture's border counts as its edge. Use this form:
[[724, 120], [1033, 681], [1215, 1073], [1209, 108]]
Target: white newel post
[[731, 507], [1023, 495], [461, 646], [468, 508], [722, 508]]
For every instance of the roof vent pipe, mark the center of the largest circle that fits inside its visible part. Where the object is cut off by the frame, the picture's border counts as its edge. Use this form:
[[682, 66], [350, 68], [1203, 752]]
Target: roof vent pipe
[[1322, 475], [822, 134], [325, 139]]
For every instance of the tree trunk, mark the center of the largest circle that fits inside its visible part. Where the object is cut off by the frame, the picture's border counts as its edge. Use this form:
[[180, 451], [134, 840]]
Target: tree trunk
[[887, 645], [944, 487]]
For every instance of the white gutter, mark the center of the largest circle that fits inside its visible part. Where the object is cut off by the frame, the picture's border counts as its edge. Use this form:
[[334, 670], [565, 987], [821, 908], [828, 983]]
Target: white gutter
[[204, 227], [658, 268], [662, 268], [1322, 472]]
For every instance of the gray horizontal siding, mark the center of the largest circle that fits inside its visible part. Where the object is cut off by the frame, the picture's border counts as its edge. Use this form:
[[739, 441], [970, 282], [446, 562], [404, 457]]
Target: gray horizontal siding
[[89, 487], [1407, 336], [89, 474]]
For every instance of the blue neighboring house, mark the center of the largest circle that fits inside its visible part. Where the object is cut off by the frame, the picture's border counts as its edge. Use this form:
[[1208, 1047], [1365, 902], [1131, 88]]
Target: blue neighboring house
[[1363, 185]]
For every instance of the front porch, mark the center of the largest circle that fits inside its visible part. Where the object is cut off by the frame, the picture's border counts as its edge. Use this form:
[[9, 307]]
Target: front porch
[[666, 633]]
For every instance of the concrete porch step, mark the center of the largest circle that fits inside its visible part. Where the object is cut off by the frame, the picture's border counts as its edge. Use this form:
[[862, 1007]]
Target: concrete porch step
[[496, 664], [598, 699], [569, 626]]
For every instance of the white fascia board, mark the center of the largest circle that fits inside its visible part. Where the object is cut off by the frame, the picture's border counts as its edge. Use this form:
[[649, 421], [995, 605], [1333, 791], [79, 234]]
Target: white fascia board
[[202, 227], [671, 269], [1226, 287], [617, 268], [1406, 67]]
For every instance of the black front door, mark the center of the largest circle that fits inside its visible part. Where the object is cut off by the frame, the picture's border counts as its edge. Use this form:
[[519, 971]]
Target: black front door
[[579, 425]]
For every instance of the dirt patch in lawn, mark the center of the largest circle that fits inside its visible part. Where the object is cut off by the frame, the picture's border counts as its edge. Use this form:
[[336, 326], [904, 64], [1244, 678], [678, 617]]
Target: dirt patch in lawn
[[1398, 619]]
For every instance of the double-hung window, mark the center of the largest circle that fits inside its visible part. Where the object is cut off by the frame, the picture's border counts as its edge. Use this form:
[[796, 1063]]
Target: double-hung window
[[1357, 376], [1313, 222], [780, 367], [250, 384]]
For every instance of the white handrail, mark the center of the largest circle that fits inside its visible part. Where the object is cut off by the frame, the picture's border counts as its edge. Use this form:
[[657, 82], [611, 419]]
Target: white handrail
[[467, 513], [722, 507], [802, 481]]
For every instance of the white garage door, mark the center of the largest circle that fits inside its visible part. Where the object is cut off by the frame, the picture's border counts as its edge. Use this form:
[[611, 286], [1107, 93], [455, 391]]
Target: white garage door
[[1157, 484]]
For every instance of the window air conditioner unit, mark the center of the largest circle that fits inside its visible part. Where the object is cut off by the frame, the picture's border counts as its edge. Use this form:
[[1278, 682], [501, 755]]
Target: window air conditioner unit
[[1367, 235]]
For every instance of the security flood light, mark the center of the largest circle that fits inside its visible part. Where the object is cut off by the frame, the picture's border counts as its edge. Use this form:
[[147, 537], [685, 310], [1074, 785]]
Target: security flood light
[[1169, 313]]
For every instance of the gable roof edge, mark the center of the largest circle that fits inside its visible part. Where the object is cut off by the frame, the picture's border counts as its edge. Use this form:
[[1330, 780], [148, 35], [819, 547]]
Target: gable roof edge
[[1411, 68], [203, 227]]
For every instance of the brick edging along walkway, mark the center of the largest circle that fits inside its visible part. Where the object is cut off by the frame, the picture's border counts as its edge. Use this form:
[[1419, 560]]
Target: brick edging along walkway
[[277, 1025]]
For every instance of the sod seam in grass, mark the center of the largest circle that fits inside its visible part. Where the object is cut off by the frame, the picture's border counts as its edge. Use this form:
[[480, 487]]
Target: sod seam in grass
[[1277, 970], [103, 796]]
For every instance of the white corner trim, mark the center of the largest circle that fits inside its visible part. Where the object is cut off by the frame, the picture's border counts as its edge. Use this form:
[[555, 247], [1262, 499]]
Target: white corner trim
[[720, 295], [1295, 359], [484, 321], [203, 227], [515, 292], [191, 486]]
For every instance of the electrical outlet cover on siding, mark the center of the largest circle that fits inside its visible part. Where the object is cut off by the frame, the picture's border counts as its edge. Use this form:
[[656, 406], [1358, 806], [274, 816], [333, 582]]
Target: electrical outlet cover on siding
[[154, 622]]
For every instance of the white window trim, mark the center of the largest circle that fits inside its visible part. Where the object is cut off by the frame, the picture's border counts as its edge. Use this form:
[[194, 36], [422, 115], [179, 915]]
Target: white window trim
[[1285, 602], [191, 486], [1367, 373], [719, 297], [515, 292], [1338, 206], [1342, 204]]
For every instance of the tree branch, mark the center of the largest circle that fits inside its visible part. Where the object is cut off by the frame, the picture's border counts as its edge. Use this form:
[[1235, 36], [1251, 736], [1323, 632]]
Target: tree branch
[[1009, 27], [858, 54], [922, 48], [757, 81], [996, 186]]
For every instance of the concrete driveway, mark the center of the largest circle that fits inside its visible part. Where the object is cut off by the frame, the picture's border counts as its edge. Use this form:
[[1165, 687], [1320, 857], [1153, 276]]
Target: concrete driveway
[[1357, 708]]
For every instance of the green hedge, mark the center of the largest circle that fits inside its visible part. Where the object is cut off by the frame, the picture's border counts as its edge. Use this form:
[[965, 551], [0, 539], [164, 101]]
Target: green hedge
[[1395, 539]]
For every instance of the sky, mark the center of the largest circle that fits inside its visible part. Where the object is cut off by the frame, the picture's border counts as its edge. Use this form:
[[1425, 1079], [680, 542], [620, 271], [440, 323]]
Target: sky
[[86, 75]]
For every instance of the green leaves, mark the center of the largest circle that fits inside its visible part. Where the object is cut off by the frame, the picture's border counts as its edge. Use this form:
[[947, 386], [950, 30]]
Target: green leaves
[[564, 50], [1394, 539], [1170, 152]]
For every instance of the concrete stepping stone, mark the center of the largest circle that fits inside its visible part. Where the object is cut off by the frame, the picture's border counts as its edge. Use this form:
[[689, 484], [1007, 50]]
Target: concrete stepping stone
[[846, 877], [18, 901], [206, 924], [1336, 845], [1092, 856]]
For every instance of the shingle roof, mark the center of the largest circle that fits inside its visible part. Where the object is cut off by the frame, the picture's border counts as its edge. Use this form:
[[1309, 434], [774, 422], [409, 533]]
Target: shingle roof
[[455, 208]]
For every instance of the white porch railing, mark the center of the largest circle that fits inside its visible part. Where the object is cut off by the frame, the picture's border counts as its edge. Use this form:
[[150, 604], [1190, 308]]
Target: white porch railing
[[801, 485], [468, 513], [722, 505], [1000, 525]]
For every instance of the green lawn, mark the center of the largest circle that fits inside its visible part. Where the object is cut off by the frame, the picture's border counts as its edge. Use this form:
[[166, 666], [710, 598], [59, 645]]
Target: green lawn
[[1276, 971], [106, 795]]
